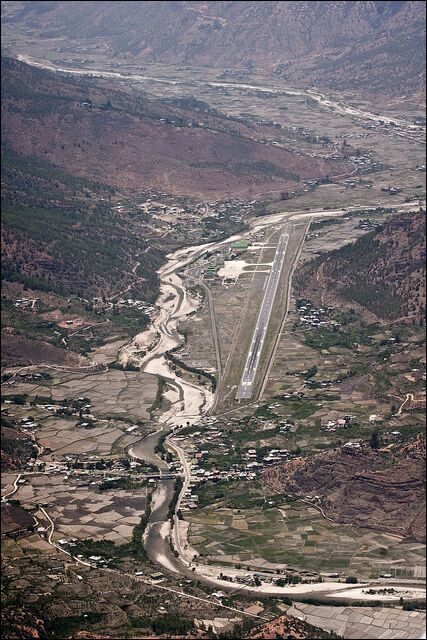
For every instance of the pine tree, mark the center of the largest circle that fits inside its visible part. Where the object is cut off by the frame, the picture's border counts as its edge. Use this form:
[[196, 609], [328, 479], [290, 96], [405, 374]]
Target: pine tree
[[375, 442]]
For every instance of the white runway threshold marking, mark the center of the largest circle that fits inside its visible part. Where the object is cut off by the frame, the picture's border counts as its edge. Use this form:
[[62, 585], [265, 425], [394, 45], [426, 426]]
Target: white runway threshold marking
[[245, 389]]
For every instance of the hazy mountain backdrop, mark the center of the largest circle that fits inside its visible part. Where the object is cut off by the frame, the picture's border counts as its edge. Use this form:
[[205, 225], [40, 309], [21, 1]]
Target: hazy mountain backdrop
[[374, 47]]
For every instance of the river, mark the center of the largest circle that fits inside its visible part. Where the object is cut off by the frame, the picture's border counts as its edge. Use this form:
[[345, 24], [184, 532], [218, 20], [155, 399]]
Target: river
[[188, 403], [324, 102]]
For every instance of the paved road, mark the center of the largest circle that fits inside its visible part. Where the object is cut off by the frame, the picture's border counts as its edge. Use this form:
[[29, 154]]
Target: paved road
[[15, 488], [213, 328], [409, 398], [245, 389]]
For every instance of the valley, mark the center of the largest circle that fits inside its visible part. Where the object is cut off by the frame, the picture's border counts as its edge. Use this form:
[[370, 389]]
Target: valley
[[136, 464]]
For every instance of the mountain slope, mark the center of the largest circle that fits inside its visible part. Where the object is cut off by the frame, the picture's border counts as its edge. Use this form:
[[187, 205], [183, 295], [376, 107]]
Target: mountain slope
[[246, 34], [60, 234], [63, 243], [392, 261], [122, 138], [289, 627], [383, 490]]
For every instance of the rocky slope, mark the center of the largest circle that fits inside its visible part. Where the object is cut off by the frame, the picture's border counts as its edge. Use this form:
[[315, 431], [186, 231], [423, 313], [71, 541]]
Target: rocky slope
[[392, 261], [19, 623], [15, 518], [382, 489], [371, 46], [288, 627], [16, 447]]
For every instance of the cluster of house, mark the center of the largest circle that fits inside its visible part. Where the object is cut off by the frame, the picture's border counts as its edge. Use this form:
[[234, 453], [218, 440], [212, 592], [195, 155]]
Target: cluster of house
[[351, 447], [364, 164], [393, 191], [28, 425], [24, 302], [137, 304], [396, 129], [200, 218], [92, 470], [23, 377], [341, 423], [274, 456], [351, 184], [312, 317], [292, 395], [94, 560], [233, 210], [78, 407], [167, 212], [315, 384], [309, 136], [201, 446], [368, 225]]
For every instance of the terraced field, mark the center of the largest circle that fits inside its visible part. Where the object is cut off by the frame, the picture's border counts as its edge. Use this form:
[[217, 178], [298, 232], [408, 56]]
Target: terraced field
[[297, 535]]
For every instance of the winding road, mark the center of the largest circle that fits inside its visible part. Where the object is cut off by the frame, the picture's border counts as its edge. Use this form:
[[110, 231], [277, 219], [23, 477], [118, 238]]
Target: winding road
[[409, 398]]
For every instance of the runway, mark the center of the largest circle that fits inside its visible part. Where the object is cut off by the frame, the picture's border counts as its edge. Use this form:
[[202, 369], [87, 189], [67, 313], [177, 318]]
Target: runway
[[245, 389]]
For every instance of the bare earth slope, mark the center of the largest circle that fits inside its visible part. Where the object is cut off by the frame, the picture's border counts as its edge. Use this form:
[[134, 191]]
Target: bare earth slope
[[382, 489], [20, 350], [289, 627], [92, 129], [371, 46]]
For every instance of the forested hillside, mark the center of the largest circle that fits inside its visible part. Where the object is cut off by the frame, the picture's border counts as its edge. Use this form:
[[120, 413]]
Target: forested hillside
[[383, 271], [60, 234]]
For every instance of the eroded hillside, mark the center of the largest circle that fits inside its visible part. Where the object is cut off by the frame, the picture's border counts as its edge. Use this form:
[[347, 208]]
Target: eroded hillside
[[382, 489]]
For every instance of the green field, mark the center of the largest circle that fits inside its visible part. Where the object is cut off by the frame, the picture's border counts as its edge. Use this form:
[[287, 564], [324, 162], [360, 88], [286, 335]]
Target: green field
[[293, 534]]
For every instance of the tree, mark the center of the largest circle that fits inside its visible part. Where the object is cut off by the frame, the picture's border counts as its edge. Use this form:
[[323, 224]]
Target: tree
[[311, 372], [375, 442], [351, 580]]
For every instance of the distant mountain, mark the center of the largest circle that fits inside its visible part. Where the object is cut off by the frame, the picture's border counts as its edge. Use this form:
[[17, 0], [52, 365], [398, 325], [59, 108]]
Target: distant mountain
[[369, 46], [383, 271], [95, 130]]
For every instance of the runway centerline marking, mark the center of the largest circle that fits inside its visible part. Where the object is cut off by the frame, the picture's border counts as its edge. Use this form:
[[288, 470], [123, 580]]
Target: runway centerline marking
[[245, 388]]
